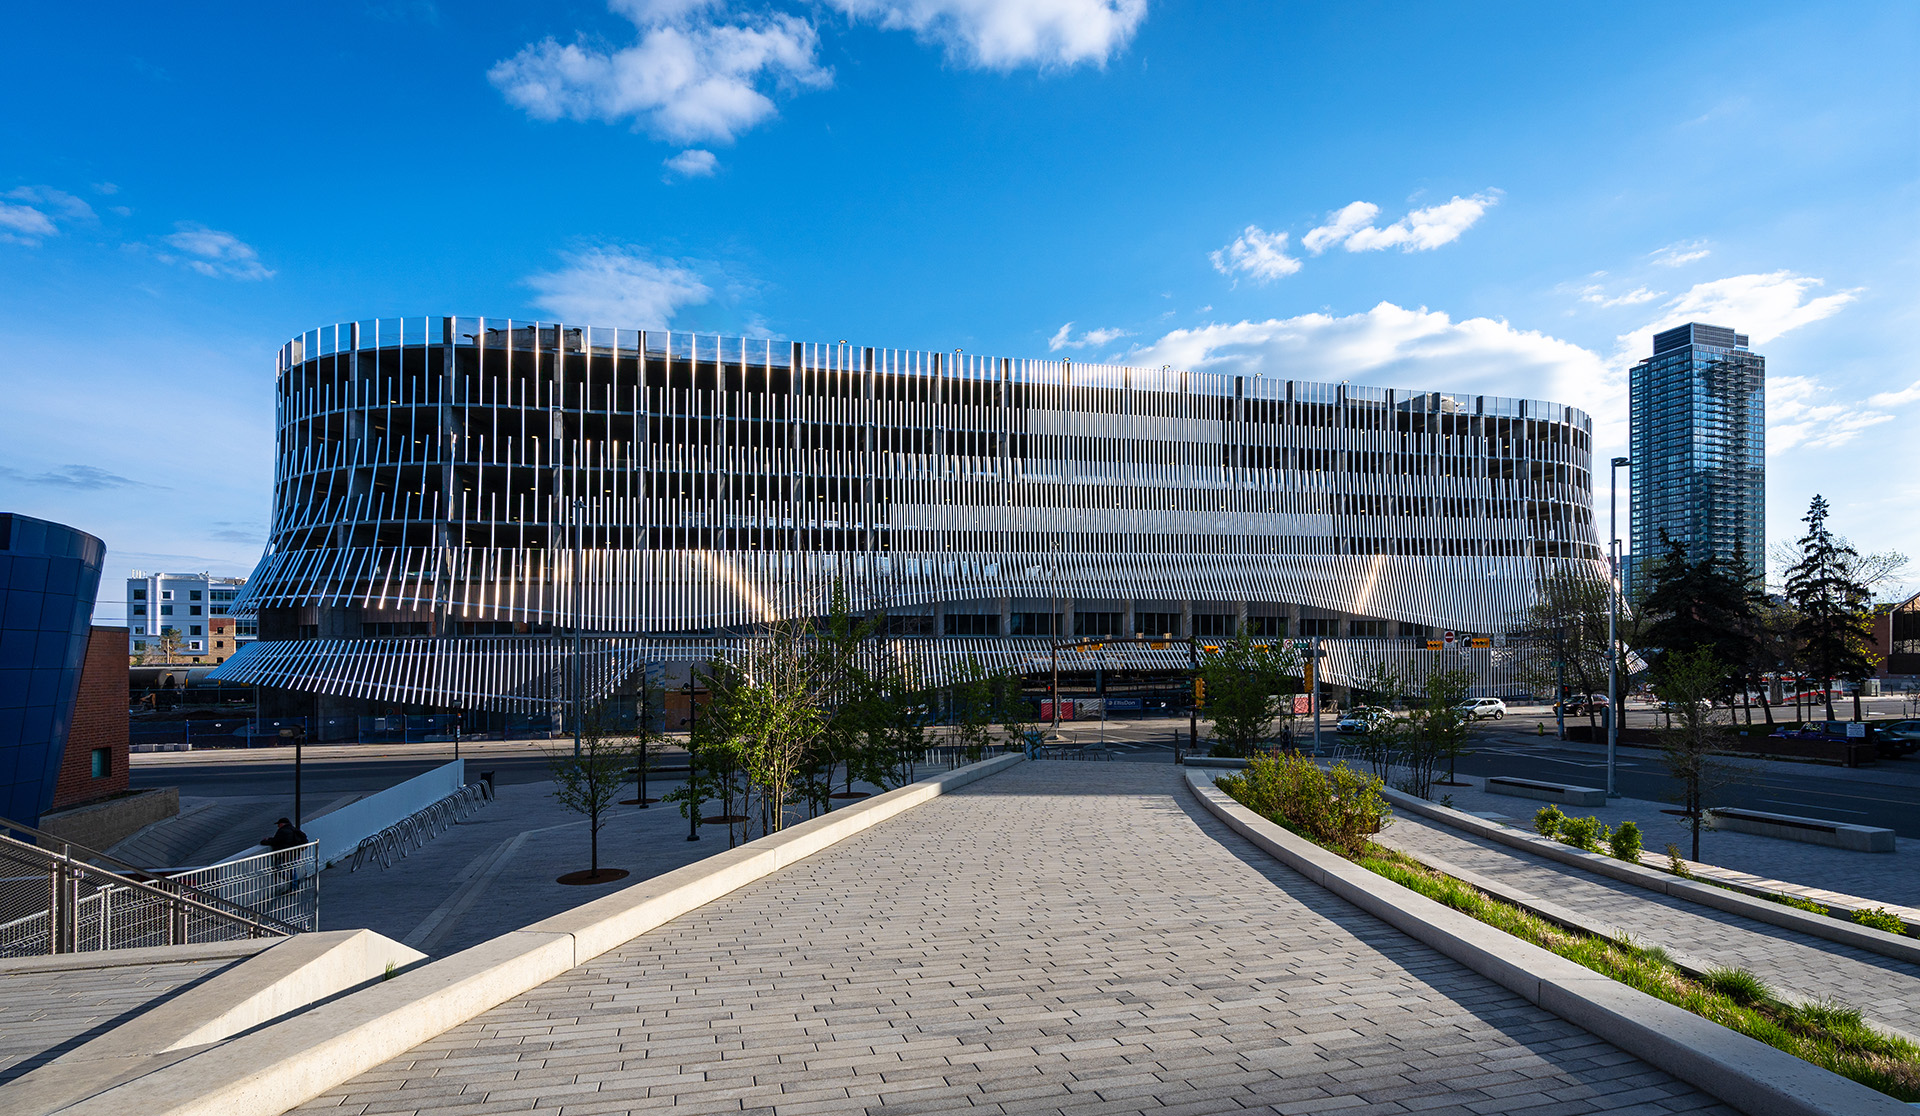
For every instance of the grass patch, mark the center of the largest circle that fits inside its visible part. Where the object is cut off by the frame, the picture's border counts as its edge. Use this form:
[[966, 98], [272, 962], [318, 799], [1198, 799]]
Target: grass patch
[[1829, 1035]]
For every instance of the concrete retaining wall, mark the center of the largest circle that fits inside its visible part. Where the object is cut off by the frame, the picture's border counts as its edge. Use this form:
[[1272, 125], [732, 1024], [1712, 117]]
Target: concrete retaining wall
[[1747, 1074], [1813, 831], [340, 832], [1548, 792], [101, 825]]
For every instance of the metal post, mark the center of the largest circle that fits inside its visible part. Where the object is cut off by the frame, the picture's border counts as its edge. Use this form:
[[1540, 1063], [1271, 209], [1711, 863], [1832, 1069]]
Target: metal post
[[1315, 652], [1193, 707], [456, 727], [579, 620], [1054, 653], [1613, 620], [693, 723]]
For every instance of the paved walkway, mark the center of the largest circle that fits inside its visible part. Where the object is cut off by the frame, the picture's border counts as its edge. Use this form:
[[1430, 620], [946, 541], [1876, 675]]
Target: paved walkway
[[44, 1014], [1064, 937], [1799, 966]]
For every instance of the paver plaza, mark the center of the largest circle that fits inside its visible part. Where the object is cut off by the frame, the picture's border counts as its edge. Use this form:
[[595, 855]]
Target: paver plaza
[[1060, 937]]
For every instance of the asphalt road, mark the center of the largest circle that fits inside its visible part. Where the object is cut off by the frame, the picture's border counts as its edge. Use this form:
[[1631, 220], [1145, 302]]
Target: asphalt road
[[326, 778]]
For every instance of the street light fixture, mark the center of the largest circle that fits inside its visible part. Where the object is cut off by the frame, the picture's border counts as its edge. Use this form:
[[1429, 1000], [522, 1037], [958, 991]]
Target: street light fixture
[[1613, 618]]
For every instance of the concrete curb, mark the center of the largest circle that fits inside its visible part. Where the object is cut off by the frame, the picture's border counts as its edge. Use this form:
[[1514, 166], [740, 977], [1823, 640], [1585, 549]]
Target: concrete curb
[[275, 1068], [139, 956], [1734, 902], [1745, 1073]]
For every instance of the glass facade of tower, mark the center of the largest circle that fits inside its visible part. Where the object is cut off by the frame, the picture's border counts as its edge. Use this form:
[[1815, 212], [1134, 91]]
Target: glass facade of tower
[[1699, 443]]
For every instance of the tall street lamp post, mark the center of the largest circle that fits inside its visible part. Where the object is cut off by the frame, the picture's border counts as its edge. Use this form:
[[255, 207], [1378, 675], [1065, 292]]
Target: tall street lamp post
[[693, 719], [579, 621], [1613, 618], [297, 734]]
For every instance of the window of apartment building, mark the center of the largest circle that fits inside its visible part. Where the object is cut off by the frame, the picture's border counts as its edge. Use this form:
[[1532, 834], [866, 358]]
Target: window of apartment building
[[193, 594], [139, 594], [218, 610], [1324, 626], [166, 610], [193, 630], [1272, 626], [193, 610], [139, 610], [1212, 624], [1156, 623], [218, 644], [1368, 629], [1096, 623], [166, 594], [971, 624], [194, 645]]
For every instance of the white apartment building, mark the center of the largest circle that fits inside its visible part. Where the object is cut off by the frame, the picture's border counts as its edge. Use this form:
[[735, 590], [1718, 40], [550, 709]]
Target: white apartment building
[[184, 603]]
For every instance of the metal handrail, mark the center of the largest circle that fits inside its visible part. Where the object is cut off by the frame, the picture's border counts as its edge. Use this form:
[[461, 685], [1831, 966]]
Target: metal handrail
[[137, 878]]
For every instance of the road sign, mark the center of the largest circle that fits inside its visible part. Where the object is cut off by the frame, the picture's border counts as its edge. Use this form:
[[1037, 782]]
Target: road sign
[[1433, 645], [1480, 641], [1447, 638]]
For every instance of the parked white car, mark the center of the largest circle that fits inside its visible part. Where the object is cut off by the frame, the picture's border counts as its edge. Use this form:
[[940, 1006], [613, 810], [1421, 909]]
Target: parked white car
[[1479, 709]]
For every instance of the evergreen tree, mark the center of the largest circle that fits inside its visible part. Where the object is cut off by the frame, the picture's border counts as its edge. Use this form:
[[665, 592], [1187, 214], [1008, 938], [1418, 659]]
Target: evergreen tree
[[1709, 604], [1568, 624], [1835, 625]]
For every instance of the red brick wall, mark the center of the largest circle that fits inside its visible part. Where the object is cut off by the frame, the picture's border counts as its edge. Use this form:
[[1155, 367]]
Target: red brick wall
[[99, 721]]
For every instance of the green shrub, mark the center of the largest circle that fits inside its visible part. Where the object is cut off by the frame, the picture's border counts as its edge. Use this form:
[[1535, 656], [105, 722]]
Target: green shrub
[[1881, 918], [1799, 904], [1583, 833], [1676, 863], [1625, 842], [1738, 985], [1548, 821], [1341, 807]]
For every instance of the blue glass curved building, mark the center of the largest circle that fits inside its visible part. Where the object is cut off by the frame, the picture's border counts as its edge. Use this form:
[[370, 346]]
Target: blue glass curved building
[[49, 577]]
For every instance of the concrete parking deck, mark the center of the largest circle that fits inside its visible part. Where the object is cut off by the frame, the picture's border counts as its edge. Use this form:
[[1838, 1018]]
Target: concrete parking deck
[[1063, 937]]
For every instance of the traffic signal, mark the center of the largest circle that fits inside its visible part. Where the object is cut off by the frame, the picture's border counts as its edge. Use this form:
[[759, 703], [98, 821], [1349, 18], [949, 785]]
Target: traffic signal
[[1199, 691], [1306, 676]]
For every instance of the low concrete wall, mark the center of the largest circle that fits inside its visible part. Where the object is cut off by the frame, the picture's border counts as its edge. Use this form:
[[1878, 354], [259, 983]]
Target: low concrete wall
[[1707, 895], [101, 825], [272, 1069], [1550, 792], [1813, 831], [1215, 761], [340, 832], [1745, 1073]]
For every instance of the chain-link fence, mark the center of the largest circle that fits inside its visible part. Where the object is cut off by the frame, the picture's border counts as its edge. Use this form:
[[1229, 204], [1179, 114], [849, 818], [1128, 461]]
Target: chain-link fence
[[55, 902]]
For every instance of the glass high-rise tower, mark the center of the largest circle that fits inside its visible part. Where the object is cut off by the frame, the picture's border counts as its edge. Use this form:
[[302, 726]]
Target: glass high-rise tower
[[1699, 443]]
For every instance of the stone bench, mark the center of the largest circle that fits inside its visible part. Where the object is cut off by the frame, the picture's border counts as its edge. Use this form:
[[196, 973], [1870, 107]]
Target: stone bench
[[1550, 792], [1814, 831]]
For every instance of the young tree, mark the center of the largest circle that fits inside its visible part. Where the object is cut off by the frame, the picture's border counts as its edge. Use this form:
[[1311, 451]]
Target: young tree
[[1568, 627], [588, 784], [1688, 683], [1388, 686], [1835, 628], [1439, 730], [1244, 686], [649, 734], [973, 694]]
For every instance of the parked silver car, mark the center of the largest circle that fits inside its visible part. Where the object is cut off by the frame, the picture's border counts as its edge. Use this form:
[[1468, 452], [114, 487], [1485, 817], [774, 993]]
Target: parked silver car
[[1479, 709]]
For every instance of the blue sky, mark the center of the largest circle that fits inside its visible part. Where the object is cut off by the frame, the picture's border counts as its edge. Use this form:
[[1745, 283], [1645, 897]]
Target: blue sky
[[1504, 199]]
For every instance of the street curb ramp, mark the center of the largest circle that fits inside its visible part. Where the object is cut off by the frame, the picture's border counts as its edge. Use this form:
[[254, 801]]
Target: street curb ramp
[[1745, 1073], [275, 1068]]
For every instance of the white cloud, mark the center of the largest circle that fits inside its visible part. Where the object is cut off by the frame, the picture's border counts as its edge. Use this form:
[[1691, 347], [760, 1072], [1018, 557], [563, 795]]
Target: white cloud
[[688, 78], [1005, 34], [694, 163], [620, 287], [1681, 252], [1391, 346], [32, 213], [211, 252], [1762, 306], [1094, 338], [1258, 253], [1341, 224], [1599, 297], [1424, 229], [1797, 419], [1900, 398]]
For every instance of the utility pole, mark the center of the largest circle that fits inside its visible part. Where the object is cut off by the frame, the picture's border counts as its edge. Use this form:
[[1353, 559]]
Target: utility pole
[[579, 621], [1315, 667], [1613, 618]]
